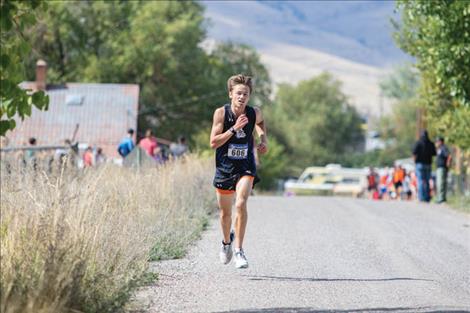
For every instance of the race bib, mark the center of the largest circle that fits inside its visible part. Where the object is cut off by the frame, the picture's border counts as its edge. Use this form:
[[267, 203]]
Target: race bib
[[237, 152]]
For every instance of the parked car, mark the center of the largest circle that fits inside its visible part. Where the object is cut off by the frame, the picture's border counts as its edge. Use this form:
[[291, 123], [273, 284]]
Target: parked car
[[353, 183], [329, 180], [313, 181]]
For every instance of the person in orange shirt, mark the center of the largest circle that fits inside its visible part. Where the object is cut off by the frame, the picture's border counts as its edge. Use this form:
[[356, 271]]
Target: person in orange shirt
[[398, 177]]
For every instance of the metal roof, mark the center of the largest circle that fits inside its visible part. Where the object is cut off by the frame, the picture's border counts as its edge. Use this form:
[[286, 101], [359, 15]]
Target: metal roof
[[104, 112]]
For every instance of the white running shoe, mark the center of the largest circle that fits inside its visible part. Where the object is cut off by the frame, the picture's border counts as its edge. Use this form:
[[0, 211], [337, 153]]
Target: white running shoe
[[226, 251], [240, 259]]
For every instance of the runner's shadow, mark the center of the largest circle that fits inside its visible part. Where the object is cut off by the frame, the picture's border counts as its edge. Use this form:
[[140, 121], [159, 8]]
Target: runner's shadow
[[280, 278]]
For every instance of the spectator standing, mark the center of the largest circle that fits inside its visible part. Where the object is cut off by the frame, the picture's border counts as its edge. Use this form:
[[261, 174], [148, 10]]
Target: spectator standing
[[390, 186], [88, 157], [423, 152], [383, 183], [127, 144], [158, 155], [398, 177], [149, 143], [406, 194], [180, 148], [30, 155], [72, 152], [413, 185], [372, 181], [100, 158], [443, 160]]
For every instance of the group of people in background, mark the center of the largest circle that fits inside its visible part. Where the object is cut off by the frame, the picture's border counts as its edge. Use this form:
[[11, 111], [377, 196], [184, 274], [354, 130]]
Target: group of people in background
[[52, 159], [391, 184], [72, 155], [68, 155], [152, 148], [423, 152], [397, 183]]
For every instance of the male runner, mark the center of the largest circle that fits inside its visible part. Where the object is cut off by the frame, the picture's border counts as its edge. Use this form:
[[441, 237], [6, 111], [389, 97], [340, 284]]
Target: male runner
[[235, 175]]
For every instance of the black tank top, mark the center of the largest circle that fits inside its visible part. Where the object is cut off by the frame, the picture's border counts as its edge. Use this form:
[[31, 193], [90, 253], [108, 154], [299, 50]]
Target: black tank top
[[236, 156]]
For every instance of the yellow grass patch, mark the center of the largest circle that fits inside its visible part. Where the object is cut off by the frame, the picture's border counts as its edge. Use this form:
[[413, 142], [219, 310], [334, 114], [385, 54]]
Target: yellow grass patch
[[82, 242]]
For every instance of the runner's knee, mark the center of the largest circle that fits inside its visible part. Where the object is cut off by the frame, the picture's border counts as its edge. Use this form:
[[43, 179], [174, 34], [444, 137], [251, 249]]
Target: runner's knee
[[241, 205], [225, 213]]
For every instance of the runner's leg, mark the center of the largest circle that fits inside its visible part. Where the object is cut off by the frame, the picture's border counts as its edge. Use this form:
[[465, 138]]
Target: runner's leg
[[225, 204], [244, 186]]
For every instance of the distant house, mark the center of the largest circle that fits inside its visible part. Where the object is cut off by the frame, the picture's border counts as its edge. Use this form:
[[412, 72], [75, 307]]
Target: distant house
[[103, 112]]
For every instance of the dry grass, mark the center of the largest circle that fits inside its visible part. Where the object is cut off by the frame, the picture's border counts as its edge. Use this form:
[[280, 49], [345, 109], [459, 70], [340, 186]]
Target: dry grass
[[82, 243]]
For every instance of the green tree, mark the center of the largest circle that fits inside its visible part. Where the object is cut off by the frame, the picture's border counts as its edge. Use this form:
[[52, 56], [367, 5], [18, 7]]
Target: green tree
[[167, 62], [314, 122], [402, 84], [230, 58], [398, 129], [154, 44], [272, 165], [15, 101], [437, 33], [72, 35]]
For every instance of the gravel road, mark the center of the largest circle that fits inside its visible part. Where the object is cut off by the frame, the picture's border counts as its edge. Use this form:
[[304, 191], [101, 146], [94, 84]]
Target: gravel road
[[324, 254]]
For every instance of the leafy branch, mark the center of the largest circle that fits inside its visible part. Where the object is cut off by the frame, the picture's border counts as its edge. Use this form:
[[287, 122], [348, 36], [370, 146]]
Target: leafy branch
[[14, 101]]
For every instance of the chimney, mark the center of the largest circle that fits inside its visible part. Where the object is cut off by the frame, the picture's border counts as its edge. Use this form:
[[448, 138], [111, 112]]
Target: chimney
[[41, 75]]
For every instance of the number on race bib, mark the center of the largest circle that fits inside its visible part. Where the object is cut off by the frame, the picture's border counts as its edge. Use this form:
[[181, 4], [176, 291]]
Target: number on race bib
[[238, 152]]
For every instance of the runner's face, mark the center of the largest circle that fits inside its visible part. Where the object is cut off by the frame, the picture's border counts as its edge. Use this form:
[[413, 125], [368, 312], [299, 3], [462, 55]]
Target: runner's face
[[240, 95]]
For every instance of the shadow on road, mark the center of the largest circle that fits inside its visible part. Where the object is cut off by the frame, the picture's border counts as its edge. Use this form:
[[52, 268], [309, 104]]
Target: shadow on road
[[280, 278], [377, 310]]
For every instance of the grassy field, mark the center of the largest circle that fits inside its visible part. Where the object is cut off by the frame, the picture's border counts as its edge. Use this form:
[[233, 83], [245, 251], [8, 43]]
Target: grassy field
[[81, 243]]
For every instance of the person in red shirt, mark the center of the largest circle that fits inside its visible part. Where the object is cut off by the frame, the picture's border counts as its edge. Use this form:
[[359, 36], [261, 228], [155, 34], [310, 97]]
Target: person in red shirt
[[372, 181], [149, 143], [88, 157]]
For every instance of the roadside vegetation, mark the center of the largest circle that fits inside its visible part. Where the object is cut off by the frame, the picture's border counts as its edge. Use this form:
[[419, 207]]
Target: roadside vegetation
[[437, 34], [82, 243], [460, 202]]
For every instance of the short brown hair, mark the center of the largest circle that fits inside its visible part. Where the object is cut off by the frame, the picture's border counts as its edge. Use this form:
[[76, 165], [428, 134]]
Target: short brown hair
[[239, 79]]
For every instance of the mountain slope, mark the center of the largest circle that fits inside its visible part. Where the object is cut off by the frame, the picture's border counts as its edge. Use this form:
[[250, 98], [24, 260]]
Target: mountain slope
[[300, 39]]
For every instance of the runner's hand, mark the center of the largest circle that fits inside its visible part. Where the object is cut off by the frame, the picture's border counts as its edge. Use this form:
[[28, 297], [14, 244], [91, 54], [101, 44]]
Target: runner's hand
[[242, 120], [262, 148]]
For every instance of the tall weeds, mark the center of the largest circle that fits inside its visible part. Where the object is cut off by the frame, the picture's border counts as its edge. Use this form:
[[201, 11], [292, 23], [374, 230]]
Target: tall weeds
[[80, 243]]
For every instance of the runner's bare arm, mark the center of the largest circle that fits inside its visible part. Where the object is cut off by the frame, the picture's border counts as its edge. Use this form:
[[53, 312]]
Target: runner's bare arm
[[261, 131], [218, 137]]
